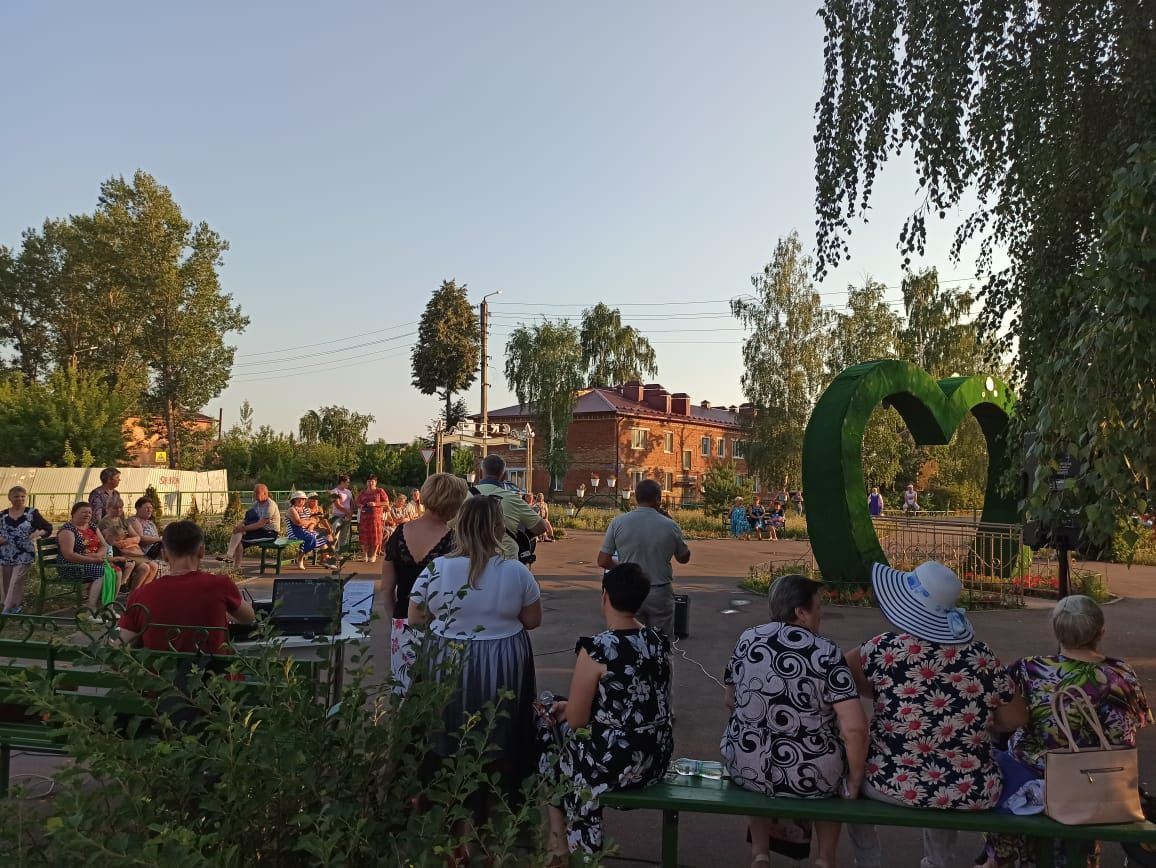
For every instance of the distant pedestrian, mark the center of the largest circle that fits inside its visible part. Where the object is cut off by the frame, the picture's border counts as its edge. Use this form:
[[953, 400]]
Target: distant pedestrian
[[343, 511], [875, 503], [371, 526], [740, 524], [758, 517], [797, 501], [105, 495], [911, 499], [645, 537]]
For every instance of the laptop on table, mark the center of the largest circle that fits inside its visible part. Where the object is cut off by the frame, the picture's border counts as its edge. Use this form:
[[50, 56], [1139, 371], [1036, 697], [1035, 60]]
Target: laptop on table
[[306, 607]]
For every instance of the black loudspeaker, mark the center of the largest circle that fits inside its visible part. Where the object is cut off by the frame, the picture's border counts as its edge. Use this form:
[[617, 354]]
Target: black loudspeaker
[[681, 616]]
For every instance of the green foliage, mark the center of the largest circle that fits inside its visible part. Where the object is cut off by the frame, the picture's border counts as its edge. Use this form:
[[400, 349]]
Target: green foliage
[[274, 775], [71, 408], [380, 458], [1048, 114], [131, 293], [784, 360], [545, 369], [155, 499], [68, 457], [168, 267], [611, 352], [445, 355], [234, 510], [720, 486], [464, 463]]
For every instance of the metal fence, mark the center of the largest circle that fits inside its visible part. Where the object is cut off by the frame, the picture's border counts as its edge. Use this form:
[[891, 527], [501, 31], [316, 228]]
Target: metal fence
[[57, 506]]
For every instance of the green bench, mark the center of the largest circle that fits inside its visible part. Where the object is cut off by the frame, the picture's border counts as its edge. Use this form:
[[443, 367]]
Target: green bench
[[705, 796], [70, 667], [275, 546], [47, 558]]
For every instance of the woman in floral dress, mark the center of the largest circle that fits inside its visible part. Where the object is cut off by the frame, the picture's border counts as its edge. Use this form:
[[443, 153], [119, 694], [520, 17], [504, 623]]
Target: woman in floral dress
[[938, 693], [371, 529], [1113, 688], [620, 692]]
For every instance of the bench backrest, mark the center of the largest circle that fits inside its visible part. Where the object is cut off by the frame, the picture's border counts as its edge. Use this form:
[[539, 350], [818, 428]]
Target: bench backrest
[[47, 551]]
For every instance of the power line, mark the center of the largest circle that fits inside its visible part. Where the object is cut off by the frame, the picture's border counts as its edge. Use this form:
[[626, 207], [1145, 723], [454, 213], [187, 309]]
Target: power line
[[246, 377], [398, 353], [324, 343], [296, 355]]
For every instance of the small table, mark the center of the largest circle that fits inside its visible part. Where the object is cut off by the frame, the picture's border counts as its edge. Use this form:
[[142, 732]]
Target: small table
[[331, 647]]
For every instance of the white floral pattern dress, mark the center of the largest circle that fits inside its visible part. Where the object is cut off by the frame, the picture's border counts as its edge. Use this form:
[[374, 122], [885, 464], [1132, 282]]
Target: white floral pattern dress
[[630, 738], [930, 743]]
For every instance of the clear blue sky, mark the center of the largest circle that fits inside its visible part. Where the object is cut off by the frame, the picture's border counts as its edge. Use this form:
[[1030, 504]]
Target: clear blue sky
[[355, 154]]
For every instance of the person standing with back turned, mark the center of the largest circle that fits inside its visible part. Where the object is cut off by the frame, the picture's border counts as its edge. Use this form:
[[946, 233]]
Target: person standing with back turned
[[646, 537]]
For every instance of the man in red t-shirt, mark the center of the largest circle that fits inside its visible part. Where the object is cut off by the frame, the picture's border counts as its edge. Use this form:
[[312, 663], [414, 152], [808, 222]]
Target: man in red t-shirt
[[186, 597]]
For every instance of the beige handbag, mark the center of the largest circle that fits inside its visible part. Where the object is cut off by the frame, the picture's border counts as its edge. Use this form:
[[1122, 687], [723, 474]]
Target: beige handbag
[[1088, 786]]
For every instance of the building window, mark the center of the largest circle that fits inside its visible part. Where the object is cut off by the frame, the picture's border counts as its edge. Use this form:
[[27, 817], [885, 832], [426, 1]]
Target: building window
[[667, 481], [639, 438], [636, 476], [686, 459], [704, 446], [737, 450], [668, 441], [721, 445], [518, 446], [517, 476]]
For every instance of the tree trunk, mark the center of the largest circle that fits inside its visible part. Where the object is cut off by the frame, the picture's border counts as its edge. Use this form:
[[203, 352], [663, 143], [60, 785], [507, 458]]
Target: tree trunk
[[448, 448], [171, 434]]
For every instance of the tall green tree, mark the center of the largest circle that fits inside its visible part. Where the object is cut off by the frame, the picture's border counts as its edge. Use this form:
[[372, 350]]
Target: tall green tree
[[937, 335], [545, 370], [71, 410], [446, 356], [343, 427], [165, 269], [1046, 113], [309, 428], [784, 360], [613, 353]]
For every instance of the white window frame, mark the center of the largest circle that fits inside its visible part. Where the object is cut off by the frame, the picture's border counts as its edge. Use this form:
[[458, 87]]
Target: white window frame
[[720, 445], [645, 438], [667, 480], [687, 460], [668, 442], [634, 477], [705, 446], [738, 449]]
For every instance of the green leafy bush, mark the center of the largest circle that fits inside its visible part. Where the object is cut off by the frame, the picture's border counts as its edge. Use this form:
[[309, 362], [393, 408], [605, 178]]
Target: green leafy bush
[[155, 500], [272, 774]]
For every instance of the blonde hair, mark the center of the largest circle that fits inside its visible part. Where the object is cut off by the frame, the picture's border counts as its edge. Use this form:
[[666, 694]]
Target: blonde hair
[[1078, 622], [111, 529], [479, 533], [443, 494]]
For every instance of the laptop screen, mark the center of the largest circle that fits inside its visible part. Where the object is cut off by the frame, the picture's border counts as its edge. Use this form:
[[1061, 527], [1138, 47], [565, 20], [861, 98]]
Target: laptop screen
[[306, 599]]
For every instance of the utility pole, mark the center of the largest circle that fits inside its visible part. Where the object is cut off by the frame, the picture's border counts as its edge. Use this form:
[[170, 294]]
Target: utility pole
[[484, 321]]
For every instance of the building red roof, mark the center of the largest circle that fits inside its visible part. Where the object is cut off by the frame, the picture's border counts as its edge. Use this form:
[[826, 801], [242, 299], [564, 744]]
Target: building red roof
[[601, 401]]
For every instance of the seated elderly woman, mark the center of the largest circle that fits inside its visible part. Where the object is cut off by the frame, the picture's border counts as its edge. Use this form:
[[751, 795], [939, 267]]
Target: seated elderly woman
[[797, 728], [117, 532], [302, 528], [938, 694], [620, 693], [83, 551], [1112, 686]]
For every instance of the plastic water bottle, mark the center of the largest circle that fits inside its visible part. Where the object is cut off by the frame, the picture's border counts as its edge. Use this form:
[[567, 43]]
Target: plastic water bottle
[[698, 768]]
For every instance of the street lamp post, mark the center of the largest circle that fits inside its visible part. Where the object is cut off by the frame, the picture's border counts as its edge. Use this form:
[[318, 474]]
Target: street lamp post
[[484, 322]]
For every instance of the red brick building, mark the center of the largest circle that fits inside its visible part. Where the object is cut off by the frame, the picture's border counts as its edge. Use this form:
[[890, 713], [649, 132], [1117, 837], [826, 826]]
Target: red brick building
[[629, 433]]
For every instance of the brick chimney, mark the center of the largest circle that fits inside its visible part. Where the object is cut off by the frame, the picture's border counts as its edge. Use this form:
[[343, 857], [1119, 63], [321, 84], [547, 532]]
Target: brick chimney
[[705, 405], [633, 391], [657, 398], [747, 409], [680, 404]]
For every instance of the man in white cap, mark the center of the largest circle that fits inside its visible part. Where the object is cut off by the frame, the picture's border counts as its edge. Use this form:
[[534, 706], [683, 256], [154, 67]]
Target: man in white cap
[[938, 692]]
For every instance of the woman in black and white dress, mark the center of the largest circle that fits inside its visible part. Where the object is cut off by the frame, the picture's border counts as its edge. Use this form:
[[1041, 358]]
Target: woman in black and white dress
[[20, 527], [797, 729]]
